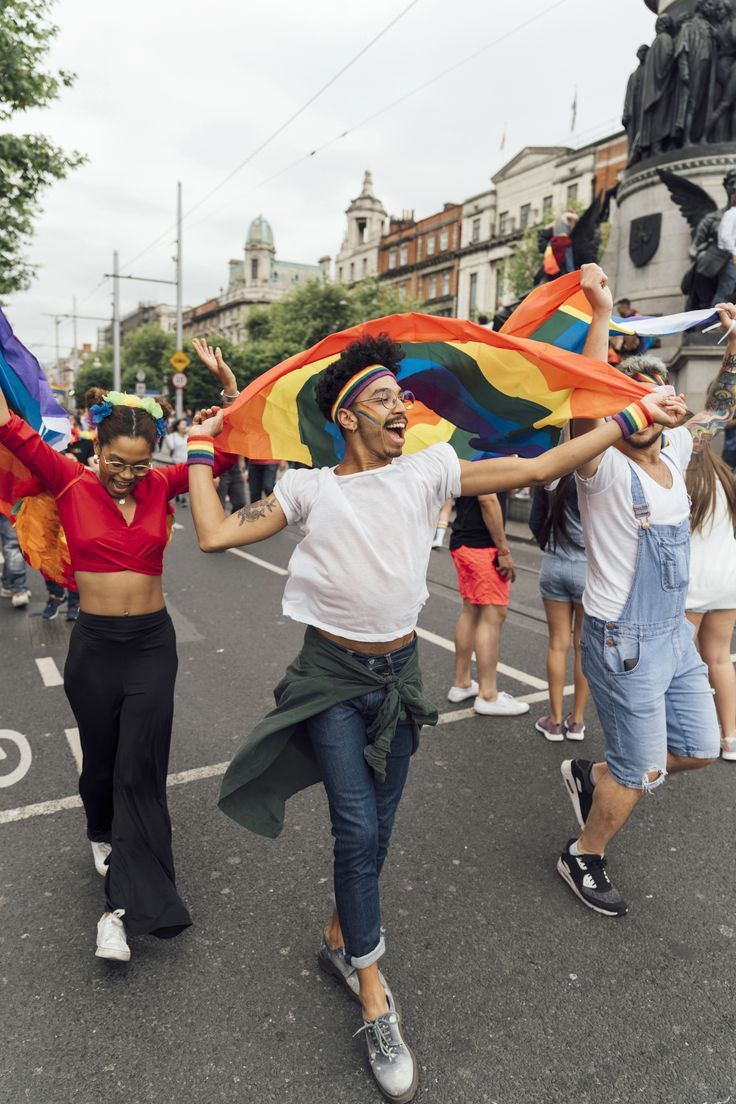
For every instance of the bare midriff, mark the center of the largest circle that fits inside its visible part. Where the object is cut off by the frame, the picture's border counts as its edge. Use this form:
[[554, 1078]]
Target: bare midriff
[[369, 647], [119, 593]]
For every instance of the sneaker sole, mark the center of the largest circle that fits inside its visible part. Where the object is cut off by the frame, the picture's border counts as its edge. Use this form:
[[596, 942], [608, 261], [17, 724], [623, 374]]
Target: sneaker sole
[[572, 790], [411, 1092], [549, 735], [112, 955], [574, 735], [567, 878]]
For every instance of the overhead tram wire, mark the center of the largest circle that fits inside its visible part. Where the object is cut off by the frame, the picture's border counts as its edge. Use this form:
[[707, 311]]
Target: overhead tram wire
[[279, 130], [394, 103]]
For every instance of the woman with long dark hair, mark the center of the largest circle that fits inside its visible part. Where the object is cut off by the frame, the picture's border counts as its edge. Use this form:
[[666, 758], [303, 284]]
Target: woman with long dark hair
[[711, 596], [555, 522], [121, 667]]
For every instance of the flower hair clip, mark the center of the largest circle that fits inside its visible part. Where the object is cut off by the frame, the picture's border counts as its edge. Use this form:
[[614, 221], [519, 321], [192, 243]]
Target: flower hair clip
[[104, 409]]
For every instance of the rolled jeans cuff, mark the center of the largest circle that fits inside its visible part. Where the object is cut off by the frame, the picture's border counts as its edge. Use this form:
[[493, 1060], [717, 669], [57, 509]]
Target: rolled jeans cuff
[[368, 959]]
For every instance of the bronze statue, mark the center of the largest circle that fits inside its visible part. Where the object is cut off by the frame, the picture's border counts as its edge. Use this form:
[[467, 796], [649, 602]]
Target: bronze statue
[[655, 131], [701, 211], [695, 55], [631, 118], [722, 125]]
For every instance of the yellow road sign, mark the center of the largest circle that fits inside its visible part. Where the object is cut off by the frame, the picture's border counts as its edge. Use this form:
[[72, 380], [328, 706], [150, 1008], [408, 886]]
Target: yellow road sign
[[179, 360]]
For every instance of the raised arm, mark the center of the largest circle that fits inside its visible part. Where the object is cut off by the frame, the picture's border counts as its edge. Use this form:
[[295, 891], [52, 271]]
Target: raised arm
[[52, 470], [720, 405], [488, 476], [594, 283]]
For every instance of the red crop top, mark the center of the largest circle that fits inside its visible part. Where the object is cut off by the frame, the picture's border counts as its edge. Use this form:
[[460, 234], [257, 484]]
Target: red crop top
[[97, 534]]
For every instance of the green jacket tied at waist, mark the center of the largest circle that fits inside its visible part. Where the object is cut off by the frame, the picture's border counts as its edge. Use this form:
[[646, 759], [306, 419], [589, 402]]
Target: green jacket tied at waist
[[276, 759]]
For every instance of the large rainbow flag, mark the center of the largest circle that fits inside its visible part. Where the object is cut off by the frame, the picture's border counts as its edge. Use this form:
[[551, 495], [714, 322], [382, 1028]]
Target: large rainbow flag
[[29, 393], [558, 312], [487, 393]]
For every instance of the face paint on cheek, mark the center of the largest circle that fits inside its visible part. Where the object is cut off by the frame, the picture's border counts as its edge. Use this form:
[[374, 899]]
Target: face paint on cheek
[[368, 417]]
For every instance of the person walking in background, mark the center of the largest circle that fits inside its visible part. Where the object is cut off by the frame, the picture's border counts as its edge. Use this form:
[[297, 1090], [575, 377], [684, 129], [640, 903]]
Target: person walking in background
[[14, 585], [176, 444], [261, 478], [711, 596], [485, 571], [443, 524], [555, 523]]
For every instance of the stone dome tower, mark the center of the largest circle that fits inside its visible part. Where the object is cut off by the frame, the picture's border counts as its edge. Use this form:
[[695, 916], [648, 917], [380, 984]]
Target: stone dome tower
[[366, 221], [260, 251]]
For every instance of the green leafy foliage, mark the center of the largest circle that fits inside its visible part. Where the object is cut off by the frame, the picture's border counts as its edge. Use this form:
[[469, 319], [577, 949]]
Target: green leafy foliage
[[29, 163]]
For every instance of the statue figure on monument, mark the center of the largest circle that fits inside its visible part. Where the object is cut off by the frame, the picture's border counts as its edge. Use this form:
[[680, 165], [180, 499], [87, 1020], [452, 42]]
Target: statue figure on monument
[[631, 118], [710, 260], [656, 127], [695, 55], [722, 128]]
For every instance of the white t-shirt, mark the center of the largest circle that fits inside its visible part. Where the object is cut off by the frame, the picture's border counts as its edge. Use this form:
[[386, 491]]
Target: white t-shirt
[[360, 570], [713, 560], [610, 529]]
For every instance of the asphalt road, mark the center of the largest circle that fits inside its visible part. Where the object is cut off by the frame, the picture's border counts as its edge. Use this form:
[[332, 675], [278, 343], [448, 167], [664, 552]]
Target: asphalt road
[[512, 992]]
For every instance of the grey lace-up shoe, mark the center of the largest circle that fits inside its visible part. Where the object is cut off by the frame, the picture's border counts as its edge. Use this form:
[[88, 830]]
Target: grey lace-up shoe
[[392, 1063], [336, 965]]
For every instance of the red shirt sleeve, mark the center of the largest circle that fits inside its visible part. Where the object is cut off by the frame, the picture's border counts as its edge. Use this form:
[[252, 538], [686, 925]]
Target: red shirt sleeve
[[177, 475], [52, 470]]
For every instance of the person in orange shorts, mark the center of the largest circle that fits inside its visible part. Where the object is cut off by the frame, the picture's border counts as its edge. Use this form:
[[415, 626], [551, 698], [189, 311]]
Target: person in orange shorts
[[485, 571]]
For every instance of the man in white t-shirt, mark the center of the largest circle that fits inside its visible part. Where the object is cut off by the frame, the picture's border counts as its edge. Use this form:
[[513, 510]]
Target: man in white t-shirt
[[350, 706], [646, 677]]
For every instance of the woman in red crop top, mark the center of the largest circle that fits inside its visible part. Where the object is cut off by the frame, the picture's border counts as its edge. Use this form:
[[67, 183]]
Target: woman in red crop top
[[121, 668]]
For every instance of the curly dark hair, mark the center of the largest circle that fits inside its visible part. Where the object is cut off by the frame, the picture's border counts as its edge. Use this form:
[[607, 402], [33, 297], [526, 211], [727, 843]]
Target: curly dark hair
[[359, 354]]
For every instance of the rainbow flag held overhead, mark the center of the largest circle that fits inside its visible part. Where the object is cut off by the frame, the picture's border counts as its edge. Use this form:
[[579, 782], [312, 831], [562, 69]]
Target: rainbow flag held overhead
[[487, 393], [29, 393], [558, 313]]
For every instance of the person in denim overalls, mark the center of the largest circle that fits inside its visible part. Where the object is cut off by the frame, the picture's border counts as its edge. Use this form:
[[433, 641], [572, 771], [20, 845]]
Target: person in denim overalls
[[646, 677]]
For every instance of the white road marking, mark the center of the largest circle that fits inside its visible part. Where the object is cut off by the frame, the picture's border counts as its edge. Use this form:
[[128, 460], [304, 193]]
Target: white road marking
[[72, 735], [177, 525], [49, 671], [466, 714], [24, 762], [260, 563], [512, 672]]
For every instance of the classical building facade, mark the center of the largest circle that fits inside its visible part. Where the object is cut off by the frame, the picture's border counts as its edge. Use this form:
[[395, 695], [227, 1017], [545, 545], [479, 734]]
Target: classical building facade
[[160, 314], [531, 189], [419, 258], [366, 223], [258, 278]]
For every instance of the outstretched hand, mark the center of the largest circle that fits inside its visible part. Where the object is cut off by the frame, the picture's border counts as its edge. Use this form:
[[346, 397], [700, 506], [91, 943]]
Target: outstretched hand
[[214, 362], [209, 420]]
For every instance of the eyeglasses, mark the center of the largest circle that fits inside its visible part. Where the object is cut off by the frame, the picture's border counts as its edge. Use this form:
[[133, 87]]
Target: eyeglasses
[[390, 399], [116, 467]]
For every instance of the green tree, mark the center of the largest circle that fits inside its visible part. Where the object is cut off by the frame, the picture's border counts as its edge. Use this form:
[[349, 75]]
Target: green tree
[[29, 163], [96, 371]]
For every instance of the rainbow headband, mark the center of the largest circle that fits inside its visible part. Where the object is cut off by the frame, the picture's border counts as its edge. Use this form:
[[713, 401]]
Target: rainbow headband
[[103, 409], [650, 377], [357, 383]]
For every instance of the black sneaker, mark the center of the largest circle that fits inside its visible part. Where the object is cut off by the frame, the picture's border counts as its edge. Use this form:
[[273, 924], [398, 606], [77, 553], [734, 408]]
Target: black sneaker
[[577, 774], [72, 606], [587, 877], [51, 610]]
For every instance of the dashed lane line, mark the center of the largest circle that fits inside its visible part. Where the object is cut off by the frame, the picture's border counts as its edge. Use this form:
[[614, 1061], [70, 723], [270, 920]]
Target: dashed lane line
[[75, 746], [256, 560], [503, 668], [49, 672]]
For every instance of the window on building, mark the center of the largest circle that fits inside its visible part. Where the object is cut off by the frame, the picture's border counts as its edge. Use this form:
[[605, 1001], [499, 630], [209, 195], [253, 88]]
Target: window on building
[[525, 215], [365, 266], [547, 207], [503, 222], [430, 245], [339, 275], [419, 249], [572, 193], [475, 232], [361, 226], [432, 290], [444, 239], [352, 272], [473, 297], [500, 282], [401, 292], [446, 283], [403, 254], [392, 258], [254, 268]]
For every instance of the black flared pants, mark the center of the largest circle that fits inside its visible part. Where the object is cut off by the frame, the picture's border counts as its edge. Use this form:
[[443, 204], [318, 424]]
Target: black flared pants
[[119, 678]]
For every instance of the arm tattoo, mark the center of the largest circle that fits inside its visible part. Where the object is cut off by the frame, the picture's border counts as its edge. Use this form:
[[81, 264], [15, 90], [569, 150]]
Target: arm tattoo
[[257, 510], [720, 405]]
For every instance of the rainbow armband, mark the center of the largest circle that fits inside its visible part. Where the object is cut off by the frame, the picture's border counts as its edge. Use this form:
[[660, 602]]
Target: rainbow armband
[[633, 418], [201, 450]]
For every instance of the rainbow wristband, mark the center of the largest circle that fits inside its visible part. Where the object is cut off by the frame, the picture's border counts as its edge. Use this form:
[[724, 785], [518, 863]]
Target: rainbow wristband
[[201, 450], [633, 418]]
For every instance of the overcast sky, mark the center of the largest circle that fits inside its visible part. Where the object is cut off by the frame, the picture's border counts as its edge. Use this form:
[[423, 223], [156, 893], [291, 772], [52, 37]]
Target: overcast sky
[[168, 91]]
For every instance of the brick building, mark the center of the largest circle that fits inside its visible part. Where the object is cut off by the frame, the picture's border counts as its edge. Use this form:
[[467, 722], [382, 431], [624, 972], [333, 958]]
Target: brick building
[[419, 258]]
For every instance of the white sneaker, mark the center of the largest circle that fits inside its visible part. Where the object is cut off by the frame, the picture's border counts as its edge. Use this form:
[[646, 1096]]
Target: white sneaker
[[101, 854], [728, 748], [20, 598], [462, 693], [111, 941], [439, 537], [503, 706], [6, 592]]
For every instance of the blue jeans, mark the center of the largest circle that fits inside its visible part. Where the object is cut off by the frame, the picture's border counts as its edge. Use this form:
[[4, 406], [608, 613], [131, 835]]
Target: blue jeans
[[14, 566], [726, 285], [362, 808]]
